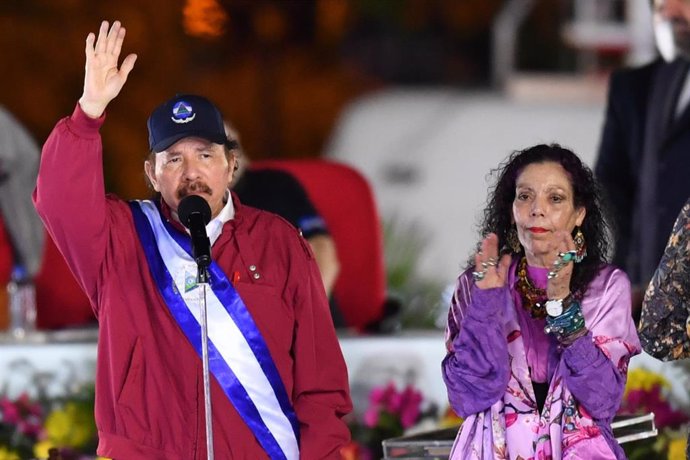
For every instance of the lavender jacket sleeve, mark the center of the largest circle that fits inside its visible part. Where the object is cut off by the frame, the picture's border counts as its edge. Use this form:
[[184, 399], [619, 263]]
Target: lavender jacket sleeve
[[596, 364], [476, 370]]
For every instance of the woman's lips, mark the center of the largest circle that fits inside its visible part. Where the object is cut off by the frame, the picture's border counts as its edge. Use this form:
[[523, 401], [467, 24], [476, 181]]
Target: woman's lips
[[537, 230]]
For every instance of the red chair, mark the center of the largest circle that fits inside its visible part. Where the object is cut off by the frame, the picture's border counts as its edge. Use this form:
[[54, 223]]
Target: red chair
[[60, 302], [6, 262], [345, 200]]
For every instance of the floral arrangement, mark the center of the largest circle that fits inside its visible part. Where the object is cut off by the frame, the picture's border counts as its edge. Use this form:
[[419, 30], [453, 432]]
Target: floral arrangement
[[48, 428], [390, 414], [421, 297], [645, 392]]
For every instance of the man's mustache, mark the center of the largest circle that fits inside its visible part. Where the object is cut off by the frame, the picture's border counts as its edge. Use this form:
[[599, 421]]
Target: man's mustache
[[193, 188], [680, 25]]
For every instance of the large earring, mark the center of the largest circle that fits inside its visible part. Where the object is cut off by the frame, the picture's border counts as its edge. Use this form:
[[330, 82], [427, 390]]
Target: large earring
[[513, 241], [580, 246]]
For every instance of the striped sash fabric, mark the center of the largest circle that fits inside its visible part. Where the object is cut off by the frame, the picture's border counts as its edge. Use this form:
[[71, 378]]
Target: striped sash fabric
[[238, 355]]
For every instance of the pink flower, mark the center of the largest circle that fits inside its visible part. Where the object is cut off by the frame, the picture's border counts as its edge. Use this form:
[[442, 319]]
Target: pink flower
[[30, 426], [640, 400], [404, 406], [22, 414], [510, 419], [410, 400], [9, 411], [394, 402], [635, 401], [379, 395], [386, 397], [371, 416]]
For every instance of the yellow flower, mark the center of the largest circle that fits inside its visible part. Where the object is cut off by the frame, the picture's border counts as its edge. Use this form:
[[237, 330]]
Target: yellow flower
[[41, 448], [6, 454], [643, 379], [449, 419], [676, 449], [58, 426], [71, 426]]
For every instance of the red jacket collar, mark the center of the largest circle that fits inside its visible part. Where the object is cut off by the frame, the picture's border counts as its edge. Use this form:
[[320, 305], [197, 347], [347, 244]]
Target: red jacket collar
[[167, 213]]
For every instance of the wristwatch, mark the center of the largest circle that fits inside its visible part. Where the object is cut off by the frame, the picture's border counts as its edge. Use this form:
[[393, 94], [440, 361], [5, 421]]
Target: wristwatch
[[554, 307]]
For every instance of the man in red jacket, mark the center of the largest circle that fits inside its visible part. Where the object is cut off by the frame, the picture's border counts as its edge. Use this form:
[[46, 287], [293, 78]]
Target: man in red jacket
[[279, 383]]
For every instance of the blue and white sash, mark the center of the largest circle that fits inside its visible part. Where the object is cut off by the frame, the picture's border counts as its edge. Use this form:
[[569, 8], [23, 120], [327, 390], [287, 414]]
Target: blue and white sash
[[238, 356]]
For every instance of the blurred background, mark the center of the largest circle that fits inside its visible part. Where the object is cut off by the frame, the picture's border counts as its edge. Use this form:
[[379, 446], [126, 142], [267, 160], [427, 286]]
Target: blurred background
[[423, 97], [284, 70]]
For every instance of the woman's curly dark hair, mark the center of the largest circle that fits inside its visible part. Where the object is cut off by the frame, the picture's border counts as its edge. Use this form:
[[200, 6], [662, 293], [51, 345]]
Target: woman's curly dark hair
[[596, 226]]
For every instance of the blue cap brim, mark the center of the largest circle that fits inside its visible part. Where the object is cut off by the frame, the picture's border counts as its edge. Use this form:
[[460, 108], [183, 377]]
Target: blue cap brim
[[164, 144]]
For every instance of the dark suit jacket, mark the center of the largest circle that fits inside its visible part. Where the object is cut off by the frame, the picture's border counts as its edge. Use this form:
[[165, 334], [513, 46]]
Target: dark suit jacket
[[644, 162]]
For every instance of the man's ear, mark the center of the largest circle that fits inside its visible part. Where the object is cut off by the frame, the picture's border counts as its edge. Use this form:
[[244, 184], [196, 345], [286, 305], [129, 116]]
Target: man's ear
[[233, 166], [150, 170]]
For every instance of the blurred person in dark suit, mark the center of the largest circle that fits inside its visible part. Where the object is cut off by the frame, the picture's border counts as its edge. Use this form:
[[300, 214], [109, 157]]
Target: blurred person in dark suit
[[643, 159]]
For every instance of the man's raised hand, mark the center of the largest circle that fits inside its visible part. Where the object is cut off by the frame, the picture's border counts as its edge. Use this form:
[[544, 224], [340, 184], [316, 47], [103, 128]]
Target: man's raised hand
[[103, 80]]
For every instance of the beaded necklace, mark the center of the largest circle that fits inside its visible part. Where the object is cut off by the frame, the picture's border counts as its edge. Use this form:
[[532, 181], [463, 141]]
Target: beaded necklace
[[533, 298]]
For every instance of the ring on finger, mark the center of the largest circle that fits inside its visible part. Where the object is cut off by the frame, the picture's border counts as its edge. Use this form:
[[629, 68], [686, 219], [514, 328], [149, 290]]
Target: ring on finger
[[490, 262], [478, 276], [563, 259], [567, 256], [553, 273]]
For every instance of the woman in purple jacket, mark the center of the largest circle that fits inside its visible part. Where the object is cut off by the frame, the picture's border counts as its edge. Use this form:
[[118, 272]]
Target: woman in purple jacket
[[539, 330]]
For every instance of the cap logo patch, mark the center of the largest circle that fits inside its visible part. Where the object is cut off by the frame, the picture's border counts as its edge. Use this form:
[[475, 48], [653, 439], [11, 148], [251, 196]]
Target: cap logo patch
[[182, 113]]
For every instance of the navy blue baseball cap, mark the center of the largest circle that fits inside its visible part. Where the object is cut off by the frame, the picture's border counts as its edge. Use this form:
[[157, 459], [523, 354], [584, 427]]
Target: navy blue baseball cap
[[185, 115]]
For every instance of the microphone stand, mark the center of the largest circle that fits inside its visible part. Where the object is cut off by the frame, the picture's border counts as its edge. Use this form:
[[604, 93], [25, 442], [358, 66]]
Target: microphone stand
[[202, 281], [195, 213]]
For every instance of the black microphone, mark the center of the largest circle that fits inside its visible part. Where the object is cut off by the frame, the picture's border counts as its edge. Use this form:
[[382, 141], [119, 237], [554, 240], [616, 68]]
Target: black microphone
[[194, 213]]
